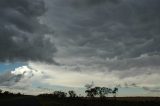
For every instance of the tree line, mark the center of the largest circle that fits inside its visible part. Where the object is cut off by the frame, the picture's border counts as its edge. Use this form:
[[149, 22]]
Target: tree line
[[101, 91], [7, 93], [90, 92]]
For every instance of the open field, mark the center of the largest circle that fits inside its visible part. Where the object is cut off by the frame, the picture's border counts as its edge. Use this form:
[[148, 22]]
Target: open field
[[79, 101]]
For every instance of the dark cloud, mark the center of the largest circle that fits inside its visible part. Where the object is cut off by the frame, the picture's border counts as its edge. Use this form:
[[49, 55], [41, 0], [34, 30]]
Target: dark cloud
[[117, 34], [9, 79], [83, 3], [125, 30], [22, 35]]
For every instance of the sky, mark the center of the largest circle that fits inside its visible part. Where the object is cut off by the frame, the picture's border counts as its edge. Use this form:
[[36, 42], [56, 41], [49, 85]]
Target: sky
[[48, 45]]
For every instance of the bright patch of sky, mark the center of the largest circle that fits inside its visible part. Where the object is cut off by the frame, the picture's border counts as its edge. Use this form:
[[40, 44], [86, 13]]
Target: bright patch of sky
[[10, 66], [35, 80]]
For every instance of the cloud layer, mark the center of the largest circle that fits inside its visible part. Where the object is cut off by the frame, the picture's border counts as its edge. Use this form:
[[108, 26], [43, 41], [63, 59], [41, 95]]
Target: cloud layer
[[22, 35], [106, 30], [117, 34]]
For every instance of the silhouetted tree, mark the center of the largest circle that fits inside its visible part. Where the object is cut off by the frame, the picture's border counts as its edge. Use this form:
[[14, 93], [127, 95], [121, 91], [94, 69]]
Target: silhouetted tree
[[89, 93], [90, 90], [99, 91], [104, 91], [72, 94], [19, 94], [6, 93], [59, 94], [94, 91], [0, 91], [114, 91]]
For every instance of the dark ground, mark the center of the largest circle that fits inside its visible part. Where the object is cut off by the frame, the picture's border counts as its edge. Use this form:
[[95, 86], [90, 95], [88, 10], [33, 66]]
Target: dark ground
[[49, 101], [19, 101]]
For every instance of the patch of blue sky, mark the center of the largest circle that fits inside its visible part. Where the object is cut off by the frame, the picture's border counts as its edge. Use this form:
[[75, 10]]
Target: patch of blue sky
[[39, 85], [10, 66], [135, 91]]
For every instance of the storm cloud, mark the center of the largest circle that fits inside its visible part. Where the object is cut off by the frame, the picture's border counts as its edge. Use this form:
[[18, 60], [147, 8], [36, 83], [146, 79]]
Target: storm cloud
[[23, 37], [117, 34]]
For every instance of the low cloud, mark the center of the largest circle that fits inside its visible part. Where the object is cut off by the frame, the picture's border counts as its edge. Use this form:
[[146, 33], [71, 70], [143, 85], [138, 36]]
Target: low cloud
[[152, 89]]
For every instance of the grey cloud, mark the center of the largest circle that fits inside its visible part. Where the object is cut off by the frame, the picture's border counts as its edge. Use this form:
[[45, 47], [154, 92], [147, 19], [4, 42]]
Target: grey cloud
[[125, 30], [150, 89], [157, 89], [85, 3], [8, 79], [142, 61], [22, 36]]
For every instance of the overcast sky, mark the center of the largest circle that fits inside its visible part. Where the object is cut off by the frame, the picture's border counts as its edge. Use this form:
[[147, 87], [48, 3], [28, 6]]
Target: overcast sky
[[68, 43]]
